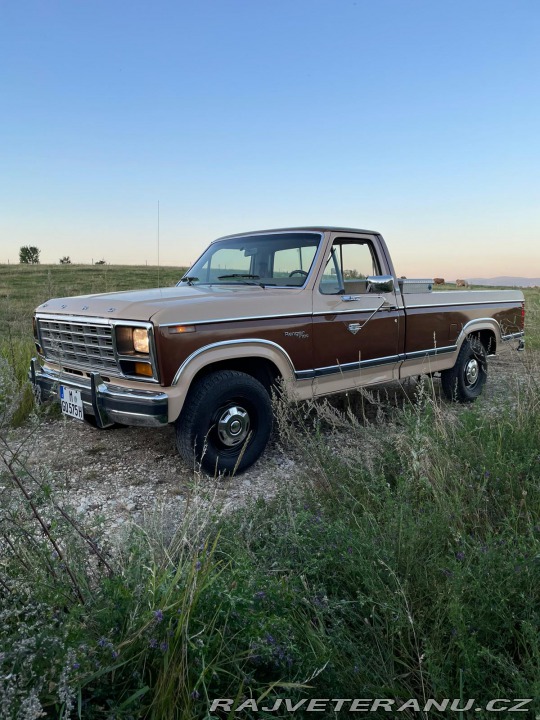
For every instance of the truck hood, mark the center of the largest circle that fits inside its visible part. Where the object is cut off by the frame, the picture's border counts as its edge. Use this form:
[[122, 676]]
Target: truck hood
[[182, 304]]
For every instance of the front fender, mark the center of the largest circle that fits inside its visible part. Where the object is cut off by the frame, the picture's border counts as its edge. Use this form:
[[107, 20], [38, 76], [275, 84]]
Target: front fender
[[227, 350]]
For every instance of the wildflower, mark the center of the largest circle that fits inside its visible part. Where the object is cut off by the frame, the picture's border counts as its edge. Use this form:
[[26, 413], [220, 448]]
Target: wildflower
[[115, 654], [260, 595], [164, 646], [460, 555], [152, 643], [158, 615], [195, 695], [198, 565], [76, 665], [102, 642]]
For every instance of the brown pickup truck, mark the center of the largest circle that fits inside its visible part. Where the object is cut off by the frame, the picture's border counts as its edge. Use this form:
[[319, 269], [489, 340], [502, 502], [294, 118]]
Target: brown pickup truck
[[318, 308]]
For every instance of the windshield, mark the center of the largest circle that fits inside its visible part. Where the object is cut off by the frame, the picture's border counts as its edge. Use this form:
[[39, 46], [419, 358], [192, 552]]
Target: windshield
[[282, 259]]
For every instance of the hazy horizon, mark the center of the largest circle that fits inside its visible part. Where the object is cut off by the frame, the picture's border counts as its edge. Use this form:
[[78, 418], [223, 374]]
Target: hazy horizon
[[417, 120]]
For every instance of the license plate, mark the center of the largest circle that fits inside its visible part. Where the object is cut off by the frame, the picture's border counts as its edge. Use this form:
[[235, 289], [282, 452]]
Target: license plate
[[71, 402]]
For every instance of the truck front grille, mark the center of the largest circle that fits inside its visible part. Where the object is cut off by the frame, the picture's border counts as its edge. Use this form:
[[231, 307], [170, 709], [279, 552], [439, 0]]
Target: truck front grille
[[79, 344]]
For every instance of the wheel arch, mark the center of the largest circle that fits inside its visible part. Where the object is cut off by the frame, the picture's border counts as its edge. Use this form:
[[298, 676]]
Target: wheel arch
[[487, 330], [264, 360]]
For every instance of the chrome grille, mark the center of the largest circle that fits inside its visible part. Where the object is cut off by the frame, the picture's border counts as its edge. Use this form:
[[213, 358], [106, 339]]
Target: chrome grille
[[79, 344]]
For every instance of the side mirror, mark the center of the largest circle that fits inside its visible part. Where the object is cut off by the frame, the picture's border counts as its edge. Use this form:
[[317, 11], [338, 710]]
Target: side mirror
[[380, 284]]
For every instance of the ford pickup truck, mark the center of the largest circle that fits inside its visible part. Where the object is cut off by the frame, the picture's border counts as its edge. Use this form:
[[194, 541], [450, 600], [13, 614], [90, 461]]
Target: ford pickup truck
[[319, 310]]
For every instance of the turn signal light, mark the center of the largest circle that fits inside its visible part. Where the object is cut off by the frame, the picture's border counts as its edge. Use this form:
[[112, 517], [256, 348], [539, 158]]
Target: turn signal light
[[143, 369], [180, 329]]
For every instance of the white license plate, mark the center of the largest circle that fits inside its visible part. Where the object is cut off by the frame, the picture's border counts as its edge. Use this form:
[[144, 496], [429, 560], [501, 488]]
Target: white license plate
[[71, 402]]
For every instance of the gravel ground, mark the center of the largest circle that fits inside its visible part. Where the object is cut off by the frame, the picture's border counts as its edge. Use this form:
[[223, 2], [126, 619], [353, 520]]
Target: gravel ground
[[124, 473]]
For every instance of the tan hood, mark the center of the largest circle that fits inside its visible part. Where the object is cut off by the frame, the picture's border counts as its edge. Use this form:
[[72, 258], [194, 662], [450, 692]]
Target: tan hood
[[183, 304]]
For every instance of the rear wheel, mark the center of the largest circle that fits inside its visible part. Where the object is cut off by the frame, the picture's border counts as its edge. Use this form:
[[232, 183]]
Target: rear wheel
[[464, 382], [225, 422]]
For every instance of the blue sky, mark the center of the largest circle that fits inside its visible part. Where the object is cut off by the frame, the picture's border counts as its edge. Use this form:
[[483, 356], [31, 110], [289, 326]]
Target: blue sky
[[420, 119]]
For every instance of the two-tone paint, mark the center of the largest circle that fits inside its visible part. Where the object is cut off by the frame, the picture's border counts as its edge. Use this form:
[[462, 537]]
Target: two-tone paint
[[319, 344]]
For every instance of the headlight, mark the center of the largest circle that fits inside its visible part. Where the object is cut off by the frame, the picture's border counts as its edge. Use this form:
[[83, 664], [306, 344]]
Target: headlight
[[140, 340]]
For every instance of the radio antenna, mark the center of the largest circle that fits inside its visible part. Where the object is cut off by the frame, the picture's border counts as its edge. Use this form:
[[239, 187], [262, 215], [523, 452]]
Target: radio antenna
[[158, 243]]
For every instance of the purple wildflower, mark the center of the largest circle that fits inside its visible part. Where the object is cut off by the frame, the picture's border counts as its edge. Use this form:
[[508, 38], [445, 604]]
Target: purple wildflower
[[76, 665], [259, 595], [195, 695], [152, 643], [164, 646], [198, 565], [158, 615], [460, 555]]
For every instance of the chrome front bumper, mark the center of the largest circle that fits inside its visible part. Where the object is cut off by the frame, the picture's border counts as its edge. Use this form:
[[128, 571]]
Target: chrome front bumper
[[105, 402]]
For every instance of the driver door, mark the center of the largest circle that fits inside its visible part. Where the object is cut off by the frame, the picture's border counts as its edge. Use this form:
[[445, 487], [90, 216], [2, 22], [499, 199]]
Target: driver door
[[355, 330]]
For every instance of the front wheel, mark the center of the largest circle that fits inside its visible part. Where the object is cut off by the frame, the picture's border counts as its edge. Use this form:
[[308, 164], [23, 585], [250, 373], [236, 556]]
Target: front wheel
[[225, 422], [464, 382]]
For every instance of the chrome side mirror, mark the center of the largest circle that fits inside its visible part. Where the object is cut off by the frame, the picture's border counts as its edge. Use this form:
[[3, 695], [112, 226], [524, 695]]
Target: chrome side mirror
[[380, 283]]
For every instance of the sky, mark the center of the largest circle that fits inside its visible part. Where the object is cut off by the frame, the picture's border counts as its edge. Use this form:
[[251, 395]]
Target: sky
[[416, 118]]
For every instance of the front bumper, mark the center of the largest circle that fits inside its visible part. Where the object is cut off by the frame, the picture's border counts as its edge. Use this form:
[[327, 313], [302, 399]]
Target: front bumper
[[107, 403]]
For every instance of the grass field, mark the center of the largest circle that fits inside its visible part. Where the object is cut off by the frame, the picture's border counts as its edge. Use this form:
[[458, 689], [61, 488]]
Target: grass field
[[23, 287], [399, 560]]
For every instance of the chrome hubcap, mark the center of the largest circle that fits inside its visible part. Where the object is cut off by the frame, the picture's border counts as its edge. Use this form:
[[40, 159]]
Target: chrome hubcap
[[233, 425], [471, 371]]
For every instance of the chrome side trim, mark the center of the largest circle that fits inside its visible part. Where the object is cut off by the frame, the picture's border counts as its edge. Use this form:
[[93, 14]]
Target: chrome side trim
[[227, 343], [355, 310], [465, 304], [235, 319], [513, 336], [429, 353], [275, 316], [346, 367], [387, 360]]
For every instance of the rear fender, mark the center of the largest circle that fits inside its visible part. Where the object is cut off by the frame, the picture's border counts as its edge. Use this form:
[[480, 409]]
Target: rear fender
[[477, 326]]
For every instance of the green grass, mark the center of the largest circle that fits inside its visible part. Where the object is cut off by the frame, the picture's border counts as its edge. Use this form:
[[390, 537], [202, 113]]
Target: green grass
[[23, 287], [405, 567], [402, 564]]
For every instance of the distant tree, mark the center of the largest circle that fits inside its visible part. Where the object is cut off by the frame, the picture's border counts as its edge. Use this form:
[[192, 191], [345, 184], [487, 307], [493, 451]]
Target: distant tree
[[29, 255], [100, 262], [66, 260]]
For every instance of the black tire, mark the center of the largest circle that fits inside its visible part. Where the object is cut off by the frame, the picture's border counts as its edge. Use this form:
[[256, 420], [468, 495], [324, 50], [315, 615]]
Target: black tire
[[465, 381], [225, 422]]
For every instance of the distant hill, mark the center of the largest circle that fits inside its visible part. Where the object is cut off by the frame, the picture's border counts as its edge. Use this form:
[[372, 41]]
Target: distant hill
[[505, 280]]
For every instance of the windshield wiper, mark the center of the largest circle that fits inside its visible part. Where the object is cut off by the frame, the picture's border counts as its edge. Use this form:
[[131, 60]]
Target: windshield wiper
[[190, 279], [241, 276]]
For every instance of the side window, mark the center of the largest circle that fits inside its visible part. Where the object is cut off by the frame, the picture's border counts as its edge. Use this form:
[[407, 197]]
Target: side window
[[348, 266]]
